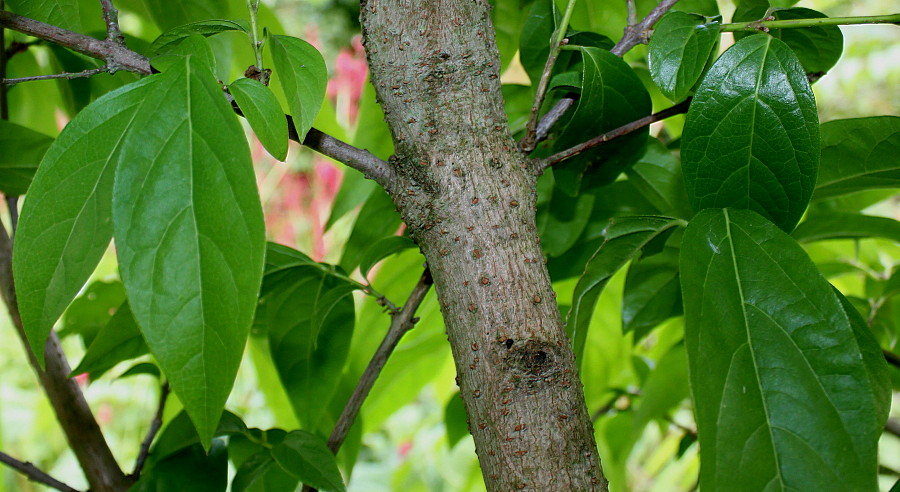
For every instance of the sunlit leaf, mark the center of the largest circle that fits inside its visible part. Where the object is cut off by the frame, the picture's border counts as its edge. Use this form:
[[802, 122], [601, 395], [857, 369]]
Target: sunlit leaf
[[859, 154], [264, 115], [679, 52], [305, 457], [818, 227], [301, 70], [169, 39]]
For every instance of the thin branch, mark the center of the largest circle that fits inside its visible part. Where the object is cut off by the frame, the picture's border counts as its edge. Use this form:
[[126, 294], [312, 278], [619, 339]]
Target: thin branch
[[765, 25], [549, 120], [12, 202], [559, 39], [632, 12], [155, 425], [111, 18], [623, 130], [64, 75], [891, 358], [640, 32], [401, 323], [117, 57], [34, 473]]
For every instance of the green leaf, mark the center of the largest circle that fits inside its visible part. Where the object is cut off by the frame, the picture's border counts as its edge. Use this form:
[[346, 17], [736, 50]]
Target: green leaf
[[305, 457], [23, 149], [66, 220], [664, 389], [377, 219], [192, 469], [679, 50], [260, 473], [657, 176], [190, 236], [169, 14], [264, 115], [624, 239], [381, 249], [562, 221], [171, 38], [818, 47], [534, 41], [60, 13], [508, 17], [309, 317], [92, 310], [708, 8], [194, 45], [652, 293], [859, 154], [611, 96], [751, 138], [782, 397], [118, 341], [180, 433], [303, 75], [147, 368], [455, 420], [818, 227]]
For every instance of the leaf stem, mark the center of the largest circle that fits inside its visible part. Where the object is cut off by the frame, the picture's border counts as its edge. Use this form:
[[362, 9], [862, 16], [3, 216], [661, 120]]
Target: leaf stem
[[111, 18], [253, 7], [155, 425], [34, 473], [64, 75], [763, 25], [558, 40]]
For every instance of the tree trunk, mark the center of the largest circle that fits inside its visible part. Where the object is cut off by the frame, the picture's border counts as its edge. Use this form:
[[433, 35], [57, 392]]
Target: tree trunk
[[468, 198]]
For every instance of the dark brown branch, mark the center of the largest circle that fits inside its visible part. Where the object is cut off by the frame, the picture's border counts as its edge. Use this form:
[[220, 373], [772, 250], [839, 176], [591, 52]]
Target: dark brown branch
[[64, 75], [530, 140], [891, 358], [553, 115], [155, 425], [111, 18], [640, 32], [401, 323], [117, 56], [34, 473], [623, 130]]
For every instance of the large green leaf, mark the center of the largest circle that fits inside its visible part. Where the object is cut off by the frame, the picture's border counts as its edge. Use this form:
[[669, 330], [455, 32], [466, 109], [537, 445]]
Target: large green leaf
[[859, 154], [118, 341], [66, 220], [751, 138], [22, 151], [818, 227], [817, 47], [264, 115], [611, 96], [782, 395], [301, 70], [624, 239], [60, 13], [169, 39], [679, 51], [190, 236], [309, 317], [305, 457]]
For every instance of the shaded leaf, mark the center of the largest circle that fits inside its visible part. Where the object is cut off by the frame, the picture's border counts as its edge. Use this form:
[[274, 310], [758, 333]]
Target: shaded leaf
[[260, 473], [194, 45], [190, 236], [147, 368], [508, 17], [817, 47], [455, 420], [382, 249], [60, 13], [838, 225], [171, 38], [190, 470], [859, 154], [773, 361], [377, 219], [180, 433], [118, 341], [23, 149], [751, 138], [561, 222], [534, 41], [92, 310], [657, 176], [679, 52], [664, 389], [264, 115], [305, 457], [301, 70], [66, 220], [652, 293], [169, 14]]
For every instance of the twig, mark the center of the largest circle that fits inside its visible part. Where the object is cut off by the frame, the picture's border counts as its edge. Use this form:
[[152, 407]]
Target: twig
[[765, 25], [34, 473], [4, 56], [12, 202], [552, 116], [64, 75], [632, 12], [401, 323], [111, 18], [155, 425], [623, 130], [639, 33], [891, 358]]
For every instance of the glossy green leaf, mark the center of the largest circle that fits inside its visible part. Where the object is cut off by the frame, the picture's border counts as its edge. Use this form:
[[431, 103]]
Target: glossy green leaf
[[818, 227], [301, 70], [306, 457], [169, 14], [191, 469], [309, 317], [455, 420], [773, 361], [194, 45], [261, 473], [818, 47], [611, 96], [679, 50], [657, 176], [652, 293], [264, 115], [624, 239], [190, 236], [171, 38], [859, 154], [751, 138], [60, 13], [66, 220], [23, 149], [382, 249], [377, 219], [118, 341]]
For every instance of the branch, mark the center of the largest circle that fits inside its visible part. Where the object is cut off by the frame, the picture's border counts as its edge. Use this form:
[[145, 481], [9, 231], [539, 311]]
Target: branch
[[623, 130], [891, 358], [111, 18], [640, 32], [155, 425], [892, 426], [401, 323], [117, 56], [33, 473], [765, 25], [64, 75]]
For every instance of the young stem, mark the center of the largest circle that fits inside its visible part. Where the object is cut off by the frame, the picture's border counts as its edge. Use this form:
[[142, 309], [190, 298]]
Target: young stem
[[825, 21], [253, 7]]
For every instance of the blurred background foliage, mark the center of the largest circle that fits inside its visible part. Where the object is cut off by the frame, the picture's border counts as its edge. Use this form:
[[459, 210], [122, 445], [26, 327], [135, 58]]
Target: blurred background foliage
[[412, 433]]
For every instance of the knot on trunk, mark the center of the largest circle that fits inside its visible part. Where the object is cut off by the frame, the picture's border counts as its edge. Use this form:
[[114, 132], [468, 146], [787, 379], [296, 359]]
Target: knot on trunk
[[532, 363]]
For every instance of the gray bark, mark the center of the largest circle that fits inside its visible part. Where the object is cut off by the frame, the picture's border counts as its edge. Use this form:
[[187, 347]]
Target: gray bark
[[468, 198]]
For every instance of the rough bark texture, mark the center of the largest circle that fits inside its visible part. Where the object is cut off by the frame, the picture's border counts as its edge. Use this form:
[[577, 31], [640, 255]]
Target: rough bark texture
[[468, 198]]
